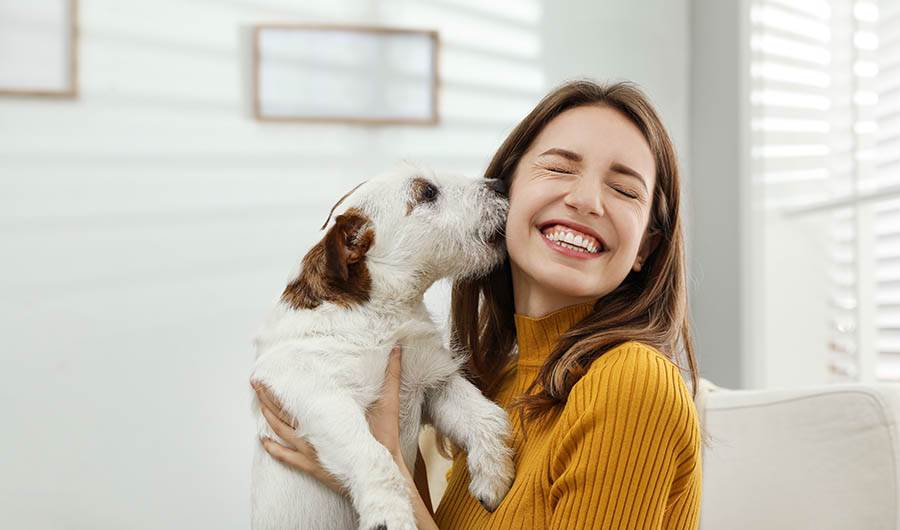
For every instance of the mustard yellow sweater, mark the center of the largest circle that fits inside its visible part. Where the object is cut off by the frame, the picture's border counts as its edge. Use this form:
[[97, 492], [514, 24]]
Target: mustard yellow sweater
[[624, 452]]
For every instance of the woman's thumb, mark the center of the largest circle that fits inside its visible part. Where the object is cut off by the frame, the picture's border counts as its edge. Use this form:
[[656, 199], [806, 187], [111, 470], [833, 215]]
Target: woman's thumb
[[394, 362]]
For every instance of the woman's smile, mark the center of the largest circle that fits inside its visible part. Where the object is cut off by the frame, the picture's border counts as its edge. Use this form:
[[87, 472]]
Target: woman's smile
[[567, 243]]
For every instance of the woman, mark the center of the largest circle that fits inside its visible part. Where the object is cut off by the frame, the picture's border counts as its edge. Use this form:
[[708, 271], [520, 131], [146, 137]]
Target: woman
[[579, 332]]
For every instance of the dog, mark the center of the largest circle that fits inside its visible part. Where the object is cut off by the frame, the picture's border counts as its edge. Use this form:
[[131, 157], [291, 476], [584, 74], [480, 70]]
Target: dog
[[324, 350]]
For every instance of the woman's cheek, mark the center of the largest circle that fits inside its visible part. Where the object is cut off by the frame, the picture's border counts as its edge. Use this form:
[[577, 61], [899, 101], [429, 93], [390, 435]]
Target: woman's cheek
[[517, 228]]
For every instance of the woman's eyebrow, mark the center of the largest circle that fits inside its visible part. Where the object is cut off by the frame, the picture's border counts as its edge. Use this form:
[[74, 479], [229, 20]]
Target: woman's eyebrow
[[565, 153]]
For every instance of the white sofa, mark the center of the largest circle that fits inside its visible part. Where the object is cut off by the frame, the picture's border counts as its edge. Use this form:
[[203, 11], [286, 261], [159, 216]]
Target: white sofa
[[823, 458]]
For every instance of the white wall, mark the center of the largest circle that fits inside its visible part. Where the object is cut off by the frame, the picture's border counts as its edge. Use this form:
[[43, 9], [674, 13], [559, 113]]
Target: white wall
[[644, 41], [720, 250], [146, 227]]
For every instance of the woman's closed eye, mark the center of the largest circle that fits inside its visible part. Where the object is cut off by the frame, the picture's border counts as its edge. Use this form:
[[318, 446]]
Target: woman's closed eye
[[567, 171], [625, 193], [556, 169]]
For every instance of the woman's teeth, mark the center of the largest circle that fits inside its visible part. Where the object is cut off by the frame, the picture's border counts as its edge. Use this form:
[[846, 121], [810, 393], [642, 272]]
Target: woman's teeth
[[567, 239]]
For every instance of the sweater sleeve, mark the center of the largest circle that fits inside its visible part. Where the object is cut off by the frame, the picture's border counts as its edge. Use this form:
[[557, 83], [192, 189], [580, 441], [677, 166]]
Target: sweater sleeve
[[628, 456]]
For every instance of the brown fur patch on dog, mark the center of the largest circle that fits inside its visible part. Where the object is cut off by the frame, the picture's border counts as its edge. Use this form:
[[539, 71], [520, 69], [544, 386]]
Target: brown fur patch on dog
[[334, 270]]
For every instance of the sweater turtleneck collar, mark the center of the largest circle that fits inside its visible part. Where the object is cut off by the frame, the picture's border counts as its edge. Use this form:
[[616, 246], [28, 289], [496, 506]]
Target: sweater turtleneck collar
[[536, 337]]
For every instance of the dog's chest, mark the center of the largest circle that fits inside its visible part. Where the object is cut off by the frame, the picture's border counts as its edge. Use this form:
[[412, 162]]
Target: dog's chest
[[425, 364]]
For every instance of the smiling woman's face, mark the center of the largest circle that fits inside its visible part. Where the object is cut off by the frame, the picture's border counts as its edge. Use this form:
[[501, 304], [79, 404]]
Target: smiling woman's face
[[589, 173]]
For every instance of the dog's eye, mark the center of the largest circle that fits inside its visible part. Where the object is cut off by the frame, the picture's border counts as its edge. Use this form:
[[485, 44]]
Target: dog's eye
[[422, 192], [429, 192]]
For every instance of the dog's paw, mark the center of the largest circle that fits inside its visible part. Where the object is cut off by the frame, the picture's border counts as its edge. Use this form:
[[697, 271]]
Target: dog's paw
[[491, 480], [395, 514], [401, 525]]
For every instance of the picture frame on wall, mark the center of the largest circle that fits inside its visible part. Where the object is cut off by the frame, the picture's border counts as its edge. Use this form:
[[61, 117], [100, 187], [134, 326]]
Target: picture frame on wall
[[39, 48], [344, 74]]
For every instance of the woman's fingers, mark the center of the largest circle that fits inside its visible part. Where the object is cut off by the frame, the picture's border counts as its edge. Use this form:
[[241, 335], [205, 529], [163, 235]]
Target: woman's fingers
[[282, 429], [286, 433], [306, 462], [286, 455], [298, 454], [272, 403]]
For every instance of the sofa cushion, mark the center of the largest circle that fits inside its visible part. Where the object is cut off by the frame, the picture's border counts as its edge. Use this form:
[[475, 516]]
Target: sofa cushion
[[824, 458]]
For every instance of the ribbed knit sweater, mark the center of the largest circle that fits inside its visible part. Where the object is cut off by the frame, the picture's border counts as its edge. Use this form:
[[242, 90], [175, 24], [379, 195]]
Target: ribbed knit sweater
[[623, 453]]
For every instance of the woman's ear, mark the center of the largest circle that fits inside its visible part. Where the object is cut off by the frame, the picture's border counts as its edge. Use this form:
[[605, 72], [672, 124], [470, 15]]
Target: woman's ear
[[346, 243], [651, 241]]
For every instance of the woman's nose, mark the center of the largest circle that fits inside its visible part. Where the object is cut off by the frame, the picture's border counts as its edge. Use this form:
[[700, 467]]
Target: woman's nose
[[585, 197]]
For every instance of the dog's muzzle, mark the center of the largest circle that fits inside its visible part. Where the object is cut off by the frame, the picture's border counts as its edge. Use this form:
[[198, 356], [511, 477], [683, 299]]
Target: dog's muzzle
[[497, 186]]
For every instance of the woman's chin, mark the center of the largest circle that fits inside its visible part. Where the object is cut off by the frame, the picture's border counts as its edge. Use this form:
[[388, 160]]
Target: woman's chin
[[570, 286]]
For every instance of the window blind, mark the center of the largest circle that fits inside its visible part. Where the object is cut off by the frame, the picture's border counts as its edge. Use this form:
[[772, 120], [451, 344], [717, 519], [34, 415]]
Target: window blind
[[825, 138], [883, 63]]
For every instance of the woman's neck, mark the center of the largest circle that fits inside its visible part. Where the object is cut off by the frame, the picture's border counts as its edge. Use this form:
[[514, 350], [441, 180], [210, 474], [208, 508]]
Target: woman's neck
[[533, 300]]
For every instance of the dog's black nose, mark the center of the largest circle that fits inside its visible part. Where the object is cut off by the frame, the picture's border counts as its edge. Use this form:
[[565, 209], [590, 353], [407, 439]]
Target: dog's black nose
[[497, 185]]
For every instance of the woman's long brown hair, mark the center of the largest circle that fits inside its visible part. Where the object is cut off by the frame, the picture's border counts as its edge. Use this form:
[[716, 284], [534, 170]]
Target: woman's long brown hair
[[649, 306]]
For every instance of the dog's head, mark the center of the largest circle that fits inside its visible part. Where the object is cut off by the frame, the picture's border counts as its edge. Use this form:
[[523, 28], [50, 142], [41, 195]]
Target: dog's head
[[398, 233]]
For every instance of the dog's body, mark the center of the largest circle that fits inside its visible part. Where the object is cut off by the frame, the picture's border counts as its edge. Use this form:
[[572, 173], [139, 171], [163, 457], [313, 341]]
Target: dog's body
[[324, 351]]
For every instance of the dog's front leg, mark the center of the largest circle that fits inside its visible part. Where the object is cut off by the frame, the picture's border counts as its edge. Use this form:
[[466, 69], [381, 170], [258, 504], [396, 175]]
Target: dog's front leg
[[335, 425], [480, 426]]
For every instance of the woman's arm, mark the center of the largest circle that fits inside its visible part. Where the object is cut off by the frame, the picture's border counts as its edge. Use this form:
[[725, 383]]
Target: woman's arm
[[420, 475], [630, 449], [422, 511]]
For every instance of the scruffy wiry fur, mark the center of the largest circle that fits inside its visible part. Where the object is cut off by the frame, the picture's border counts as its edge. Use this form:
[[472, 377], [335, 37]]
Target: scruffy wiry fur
[[323, 353]]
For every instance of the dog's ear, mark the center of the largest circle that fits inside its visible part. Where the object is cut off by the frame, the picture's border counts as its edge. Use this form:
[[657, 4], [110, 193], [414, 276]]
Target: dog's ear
[[346, 243], [334, 269]]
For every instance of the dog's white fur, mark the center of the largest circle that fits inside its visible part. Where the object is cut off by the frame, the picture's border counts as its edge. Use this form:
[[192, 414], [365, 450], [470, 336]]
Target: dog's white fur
[[326, 365]]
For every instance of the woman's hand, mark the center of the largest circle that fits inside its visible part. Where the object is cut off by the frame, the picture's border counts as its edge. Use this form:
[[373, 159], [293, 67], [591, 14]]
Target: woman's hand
[[384, 416], [298, 454], [384, 422]]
